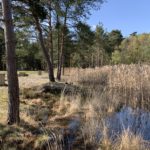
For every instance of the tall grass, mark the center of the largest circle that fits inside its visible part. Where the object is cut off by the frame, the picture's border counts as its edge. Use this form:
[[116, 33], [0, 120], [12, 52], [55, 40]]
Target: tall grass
[[112, 88]]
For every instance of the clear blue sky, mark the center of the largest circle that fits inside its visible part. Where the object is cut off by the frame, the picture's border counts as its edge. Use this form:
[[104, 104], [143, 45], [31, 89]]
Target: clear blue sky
[[126, 15]]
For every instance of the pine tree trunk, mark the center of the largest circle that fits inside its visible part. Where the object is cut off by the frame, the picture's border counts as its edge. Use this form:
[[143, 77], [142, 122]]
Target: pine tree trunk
[[58, 42], [61, 59], [13, 86], [45, 51], [51, 34]]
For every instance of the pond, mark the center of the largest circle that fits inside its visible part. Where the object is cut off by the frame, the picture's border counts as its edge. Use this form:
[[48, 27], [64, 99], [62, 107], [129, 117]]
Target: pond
[[137, 121]]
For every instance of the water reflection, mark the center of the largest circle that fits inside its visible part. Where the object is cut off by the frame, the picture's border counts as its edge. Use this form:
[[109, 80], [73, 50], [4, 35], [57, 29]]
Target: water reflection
[[137, 121]]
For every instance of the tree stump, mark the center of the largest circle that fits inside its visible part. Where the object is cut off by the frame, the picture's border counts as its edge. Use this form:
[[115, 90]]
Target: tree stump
[[39, 72], [2, 79]]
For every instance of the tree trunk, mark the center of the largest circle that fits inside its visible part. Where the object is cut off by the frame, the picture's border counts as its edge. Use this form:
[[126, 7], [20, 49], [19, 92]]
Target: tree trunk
[[51, 34], [45, 51], [13, 85], [58, 42], [61, 59], [63, 66]]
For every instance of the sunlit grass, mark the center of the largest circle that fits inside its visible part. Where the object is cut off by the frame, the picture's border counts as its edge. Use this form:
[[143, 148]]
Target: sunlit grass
[[22, 134], [3, 103], [108, 89], [111, 88]]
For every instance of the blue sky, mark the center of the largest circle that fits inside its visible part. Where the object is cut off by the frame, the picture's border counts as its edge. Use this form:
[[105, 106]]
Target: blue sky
[[126, 15]]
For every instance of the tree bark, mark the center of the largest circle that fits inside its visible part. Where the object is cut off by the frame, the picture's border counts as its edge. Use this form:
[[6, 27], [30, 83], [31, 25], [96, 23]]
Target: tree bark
[[13, 85], [58, 42], [45, 50], [51, 34], [61, 59]]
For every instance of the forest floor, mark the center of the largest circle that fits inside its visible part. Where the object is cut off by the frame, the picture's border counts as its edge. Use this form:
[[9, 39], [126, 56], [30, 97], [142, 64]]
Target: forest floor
[[40, 116], [110, 112]]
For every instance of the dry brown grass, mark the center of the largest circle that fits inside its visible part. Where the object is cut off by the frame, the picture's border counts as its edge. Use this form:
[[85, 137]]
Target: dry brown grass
[[128, 141], [128, 82], [108, 89], [21, 137], [33, 80], [111, 88]]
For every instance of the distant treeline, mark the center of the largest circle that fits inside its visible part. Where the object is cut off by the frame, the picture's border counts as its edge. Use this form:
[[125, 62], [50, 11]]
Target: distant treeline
[[83, 48]]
